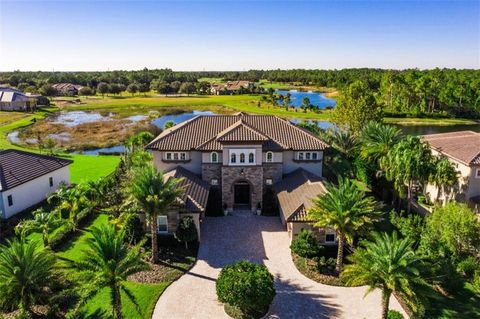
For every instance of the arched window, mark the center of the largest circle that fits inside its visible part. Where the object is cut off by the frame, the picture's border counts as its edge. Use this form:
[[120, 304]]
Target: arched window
[[251, 158], [242, 157], [233, 158], [214, 157], [269, 157]]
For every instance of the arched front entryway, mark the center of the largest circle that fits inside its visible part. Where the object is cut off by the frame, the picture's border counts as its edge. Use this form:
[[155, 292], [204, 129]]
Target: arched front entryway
[[241, 193]]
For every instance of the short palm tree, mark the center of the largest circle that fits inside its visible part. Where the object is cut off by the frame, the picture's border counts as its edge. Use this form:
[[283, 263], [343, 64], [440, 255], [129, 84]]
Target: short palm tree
[[155, 194], [107, 262], [389, 264], [43, 222], [377, 139], [26, 274], [346, 209], [74, 201]]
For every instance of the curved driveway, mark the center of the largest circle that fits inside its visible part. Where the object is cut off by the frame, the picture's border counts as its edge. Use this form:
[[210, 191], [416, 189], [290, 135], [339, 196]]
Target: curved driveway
[[260, 239]]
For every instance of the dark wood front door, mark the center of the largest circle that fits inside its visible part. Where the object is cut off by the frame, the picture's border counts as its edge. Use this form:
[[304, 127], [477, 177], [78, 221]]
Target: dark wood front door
[[242, 193]]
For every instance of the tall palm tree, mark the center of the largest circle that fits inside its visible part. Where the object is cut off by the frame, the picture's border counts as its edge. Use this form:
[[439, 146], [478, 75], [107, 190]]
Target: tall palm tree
[[409, 161], [43, 222], [443, 176], [389, 264], [155, 194], [286, 101], [346, 209], [26, 274], [107, 262], [377, 139], [344, 141]]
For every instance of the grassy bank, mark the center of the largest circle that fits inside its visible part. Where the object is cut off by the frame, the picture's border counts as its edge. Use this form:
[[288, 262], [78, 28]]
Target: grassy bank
[[427, 121]]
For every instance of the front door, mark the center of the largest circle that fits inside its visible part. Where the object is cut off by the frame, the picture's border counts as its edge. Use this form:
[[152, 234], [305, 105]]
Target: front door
[[242, 193]]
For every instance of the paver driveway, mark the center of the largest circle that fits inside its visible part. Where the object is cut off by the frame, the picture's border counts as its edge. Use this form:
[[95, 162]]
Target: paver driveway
[[259, 239]]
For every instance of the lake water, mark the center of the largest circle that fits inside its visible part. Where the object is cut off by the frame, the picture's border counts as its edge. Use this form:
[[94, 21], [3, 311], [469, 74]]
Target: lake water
[[178, 118], [317, 99]]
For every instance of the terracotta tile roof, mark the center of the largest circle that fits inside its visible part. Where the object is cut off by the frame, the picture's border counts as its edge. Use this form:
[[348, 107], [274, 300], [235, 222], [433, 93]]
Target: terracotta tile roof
[[195, 196], [296, 192], [202, 133], [240, 132], [18, 167], [463, 146]]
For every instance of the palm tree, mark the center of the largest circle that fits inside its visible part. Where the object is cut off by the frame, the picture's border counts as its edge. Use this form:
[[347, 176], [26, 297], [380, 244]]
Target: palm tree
[[155, 194], [409, 161], [107, 262], [346, 209], [389, 264], [75, 202], [305, 104], [443, 176], [343, 141], [26, 274], [377, 139], [42, 222]]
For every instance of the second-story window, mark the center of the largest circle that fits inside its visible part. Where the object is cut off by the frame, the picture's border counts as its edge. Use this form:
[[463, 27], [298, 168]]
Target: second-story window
[[233, 158], [251, 158], [269, 157], [214, 157], [242, 157]]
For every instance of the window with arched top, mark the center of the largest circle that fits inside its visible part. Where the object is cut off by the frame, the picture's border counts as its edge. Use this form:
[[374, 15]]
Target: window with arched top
[[233, 158], [251, 158], [214, 157], [269, 157], [242, 157]]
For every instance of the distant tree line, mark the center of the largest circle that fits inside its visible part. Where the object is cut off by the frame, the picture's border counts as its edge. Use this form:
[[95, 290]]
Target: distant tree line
[[437, 92]]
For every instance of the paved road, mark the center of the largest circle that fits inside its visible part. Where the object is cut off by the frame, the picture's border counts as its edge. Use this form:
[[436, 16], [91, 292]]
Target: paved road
[[259, 239]]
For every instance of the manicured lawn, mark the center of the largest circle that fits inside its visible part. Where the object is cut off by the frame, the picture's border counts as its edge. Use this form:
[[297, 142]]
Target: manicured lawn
[[91, 167], [427, 121], [73, 249], [146, 296]]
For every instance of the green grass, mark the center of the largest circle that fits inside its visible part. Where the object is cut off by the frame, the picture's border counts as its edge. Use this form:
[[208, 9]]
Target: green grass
[[91, 167], [427, 121], [73, 250], [146, 296]]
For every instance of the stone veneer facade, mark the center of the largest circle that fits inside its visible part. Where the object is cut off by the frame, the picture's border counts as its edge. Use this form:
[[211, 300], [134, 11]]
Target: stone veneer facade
[[255, 176]]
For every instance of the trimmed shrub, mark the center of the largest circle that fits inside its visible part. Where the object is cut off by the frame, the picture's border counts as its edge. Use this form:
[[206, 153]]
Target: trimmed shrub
[[246, 289], [393, 314], [306, 245], [133, 229], [326, 266], [186, 231]]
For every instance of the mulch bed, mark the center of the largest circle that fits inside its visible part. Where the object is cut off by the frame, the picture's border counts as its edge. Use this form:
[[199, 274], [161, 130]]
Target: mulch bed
[[308, 268]]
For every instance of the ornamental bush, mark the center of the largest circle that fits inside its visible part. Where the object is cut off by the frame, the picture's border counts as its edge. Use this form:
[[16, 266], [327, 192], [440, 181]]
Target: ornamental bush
[[186, 231], [246, 289], [306, 245]]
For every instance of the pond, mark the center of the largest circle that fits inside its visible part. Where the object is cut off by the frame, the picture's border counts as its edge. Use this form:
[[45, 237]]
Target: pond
[[316, 98]]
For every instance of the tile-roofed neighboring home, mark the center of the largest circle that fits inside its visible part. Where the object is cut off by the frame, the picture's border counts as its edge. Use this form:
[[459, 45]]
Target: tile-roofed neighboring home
[[202, 133], [19, 167], [195, 195], [296, 192], [463, 146]]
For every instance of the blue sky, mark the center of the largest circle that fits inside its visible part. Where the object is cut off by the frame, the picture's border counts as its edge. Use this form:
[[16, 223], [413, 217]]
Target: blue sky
[[238, 35]]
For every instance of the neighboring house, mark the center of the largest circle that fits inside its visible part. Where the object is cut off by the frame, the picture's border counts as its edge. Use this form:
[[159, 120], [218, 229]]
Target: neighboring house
[[67, 89], [15, 100], [238, 155], [231, 87], [26, 179], [463, 150]]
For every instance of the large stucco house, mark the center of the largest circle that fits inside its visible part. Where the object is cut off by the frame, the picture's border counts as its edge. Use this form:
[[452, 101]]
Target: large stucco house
[[241, 156], [463, 150], [26, 179]]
